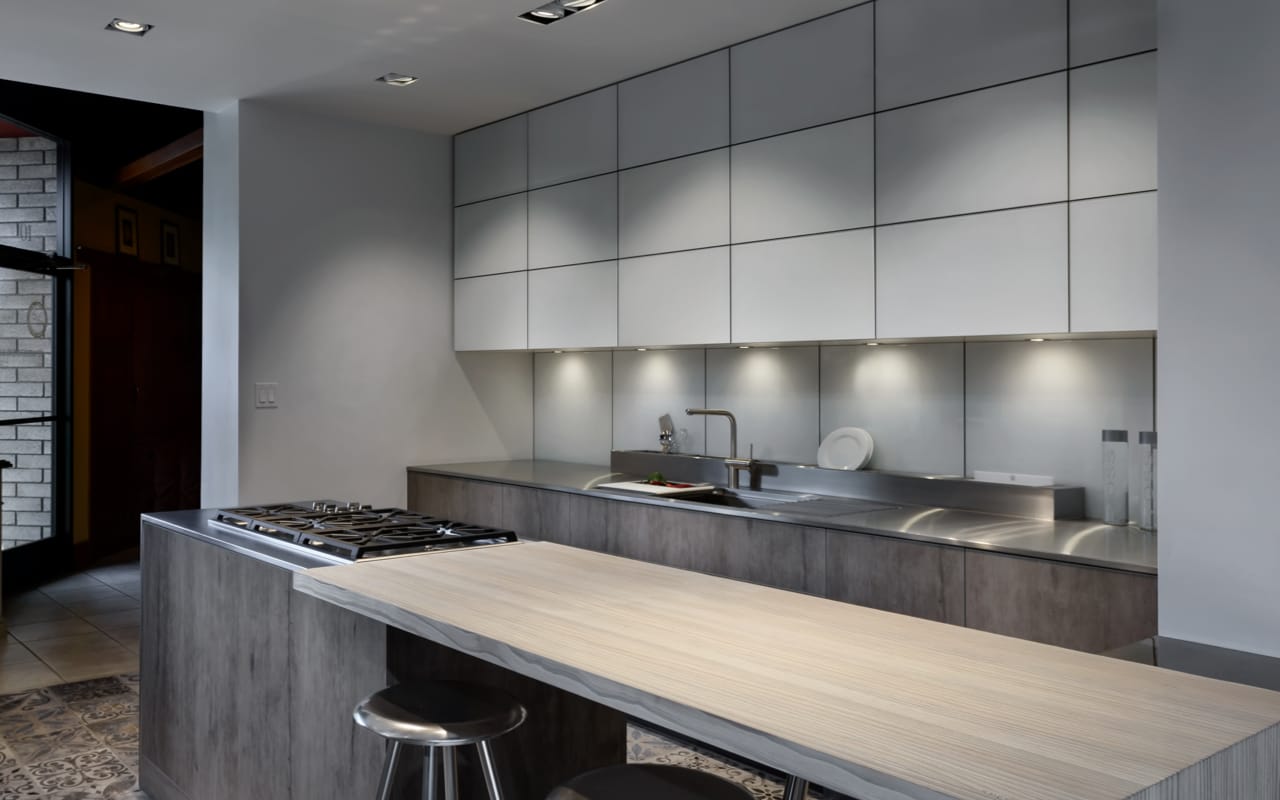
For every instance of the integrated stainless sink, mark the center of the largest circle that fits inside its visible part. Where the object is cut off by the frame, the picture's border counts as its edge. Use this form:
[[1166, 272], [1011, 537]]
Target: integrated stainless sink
[[744, 498]]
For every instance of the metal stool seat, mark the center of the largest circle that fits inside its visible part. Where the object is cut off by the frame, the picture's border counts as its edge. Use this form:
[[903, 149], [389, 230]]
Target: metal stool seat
[[442, 715], [648, 782]]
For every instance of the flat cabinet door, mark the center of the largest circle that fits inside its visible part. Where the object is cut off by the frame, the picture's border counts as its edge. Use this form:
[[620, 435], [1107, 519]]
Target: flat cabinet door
[[979, 275], [491, 312], [675, 111], [922, 580], [491, 237], [680, 204], [818, 72], [574, 223], [491, 161], [1113, 127], [1113, 263], [574, 306], [678, 298], [575, 138], [826, 291]]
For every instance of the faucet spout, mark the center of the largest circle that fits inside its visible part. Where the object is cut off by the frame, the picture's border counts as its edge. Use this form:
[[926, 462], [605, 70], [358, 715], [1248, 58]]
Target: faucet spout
[[733, 463]]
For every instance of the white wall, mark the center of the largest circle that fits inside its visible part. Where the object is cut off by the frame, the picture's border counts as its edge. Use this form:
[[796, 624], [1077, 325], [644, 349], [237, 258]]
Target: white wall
[[345, 301], [1219, 374], [220, 320]]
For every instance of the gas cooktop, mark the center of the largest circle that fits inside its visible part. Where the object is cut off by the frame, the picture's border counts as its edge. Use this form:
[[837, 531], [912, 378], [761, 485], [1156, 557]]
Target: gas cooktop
[[354, 531]]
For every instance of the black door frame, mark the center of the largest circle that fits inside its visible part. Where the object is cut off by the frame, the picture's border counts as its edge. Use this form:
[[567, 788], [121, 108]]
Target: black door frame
[[31, 564]]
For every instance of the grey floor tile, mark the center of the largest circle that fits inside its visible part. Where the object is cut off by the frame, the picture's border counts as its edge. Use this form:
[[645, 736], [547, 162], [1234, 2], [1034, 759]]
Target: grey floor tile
[[129, 618], [38, 631], [79, 581], [26, 613], [27, 675], [103, 605], [13, 652]]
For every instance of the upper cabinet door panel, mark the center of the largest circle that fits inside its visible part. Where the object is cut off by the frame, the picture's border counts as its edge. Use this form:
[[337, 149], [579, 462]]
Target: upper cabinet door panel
[[821, 71], [574, 223], [574, 306], [820, 179], [997, 148], [675, 205], [575, 138], [673, 299], [675, 111], [806, 288], [978, 275], [491, 236], [932, 48], [1111, 28], [491, 312], [491, 161], [1113, 127], [1113, 263]]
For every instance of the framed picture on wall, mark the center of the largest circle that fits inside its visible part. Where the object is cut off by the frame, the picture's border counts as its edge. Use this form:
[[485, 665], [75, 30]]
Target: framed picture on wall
[[126, 231], [170, 244]]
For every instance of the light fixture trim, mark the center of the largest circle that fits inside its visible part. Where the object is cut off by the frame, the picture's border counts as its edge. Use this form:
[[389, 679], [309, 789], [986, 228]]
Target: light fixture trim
[[396, 79], [1037, 339], [129, 26], [873, 344], [557, 10]]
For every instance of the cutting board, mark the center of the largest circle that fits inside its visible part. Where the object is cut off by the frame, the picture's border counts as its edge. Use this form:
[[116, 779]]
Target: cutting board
[[662, 491]]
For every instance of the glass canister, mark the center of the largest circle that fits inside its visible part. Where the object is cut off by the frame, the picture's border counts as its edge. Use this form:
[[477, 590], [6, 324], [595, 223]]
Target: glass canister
[[1115, 477], [1147, 480]]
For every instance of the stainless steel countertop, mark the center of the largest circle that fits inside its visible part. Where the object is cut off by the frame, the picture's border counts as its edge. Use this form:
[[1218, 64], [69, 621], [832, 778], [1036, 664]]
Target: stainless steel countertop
[[1075, 541], [198, 523]]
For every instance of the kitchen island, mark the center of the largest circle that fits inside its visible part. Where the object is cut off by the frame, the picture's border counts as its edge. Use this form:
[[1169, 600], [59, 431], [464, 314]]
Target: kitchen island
[[880, 706]]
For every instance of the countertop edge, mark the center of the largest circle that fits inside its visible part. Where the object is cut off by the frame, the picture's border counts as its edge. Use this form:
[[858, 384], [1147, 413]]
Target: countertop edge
[[468, 471]]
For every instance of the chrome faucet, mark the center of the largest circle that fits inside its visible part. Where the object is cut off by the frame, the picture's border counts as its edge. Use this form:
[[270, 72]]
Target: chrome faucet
[[666, 433], [732, 463]]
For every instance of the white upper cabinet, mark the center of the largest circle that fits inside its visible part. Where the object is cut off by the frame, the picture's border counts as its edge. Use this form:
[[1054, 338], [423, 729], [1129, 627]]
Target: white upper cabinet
[[491, 236], [932, 48], [574, 306], [680, 204], [821, 71], [815, 180], [491, 312], [575, 138], [998, 148], [675, 111], [574, 222], [677, 298], [979, 275], [807, 288], [1103, 29], [1113, 263], [490, 161], [1113, 127]]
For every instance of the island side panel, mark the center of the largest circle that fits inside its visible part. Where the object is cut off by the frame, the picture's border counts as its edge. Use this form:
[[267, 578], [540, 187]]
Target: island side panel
[[337, 658], [215, 694], [564, 735], [1248, 770]]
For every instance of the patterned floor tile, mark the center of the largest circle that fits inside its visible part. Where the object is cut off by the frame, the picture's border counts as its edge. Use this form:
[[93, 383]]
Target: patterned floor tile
[[93, 771], [90, 690]]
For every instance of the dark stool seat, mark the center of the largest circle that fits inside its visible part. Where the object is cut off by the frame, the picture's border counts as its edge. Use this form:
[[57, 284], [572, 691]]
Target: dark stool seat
[[440, 715], [648, 782]]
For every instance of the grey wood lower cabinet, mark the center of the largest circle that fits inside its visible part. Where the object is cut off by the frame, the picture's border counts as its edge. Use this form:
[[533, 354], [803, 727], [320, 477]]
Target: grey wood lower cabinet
[[922, 580], [461, 500], [559, 517], [1084, 608], [238, 669]]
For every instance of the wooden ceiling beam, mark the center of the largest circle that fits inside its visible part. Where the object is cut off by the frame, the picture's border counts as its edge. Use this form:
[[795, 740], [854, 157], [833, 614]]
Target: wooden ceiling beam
[[175, 155]]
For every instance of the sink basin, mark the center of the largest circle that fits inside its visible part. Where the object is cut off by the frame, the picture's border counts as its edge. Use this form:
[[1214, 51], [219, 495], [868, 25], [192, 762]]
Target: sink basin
[[743, 498]]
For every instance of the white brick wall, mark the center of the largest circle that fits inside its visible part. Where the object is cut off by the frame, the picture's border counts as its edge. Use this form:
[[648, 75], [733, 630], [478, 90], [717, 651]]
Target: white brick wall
[[29, 193], [28, 219]]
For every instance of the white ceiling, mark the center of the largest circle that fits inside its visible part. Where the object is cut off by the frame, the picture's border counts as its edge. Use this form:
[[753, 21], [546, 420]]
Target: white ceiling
[[477, 61]]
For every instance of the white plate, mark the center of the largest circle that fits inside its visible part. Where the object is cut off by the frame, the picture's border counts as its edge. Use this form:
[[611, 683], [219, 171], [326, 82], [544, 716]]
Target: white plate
[[846, 448]]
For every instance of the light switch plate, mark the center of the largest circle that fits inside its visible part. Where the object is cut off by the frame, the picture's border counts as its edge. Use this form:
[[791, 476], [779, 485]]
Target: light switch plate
[[264, 395]]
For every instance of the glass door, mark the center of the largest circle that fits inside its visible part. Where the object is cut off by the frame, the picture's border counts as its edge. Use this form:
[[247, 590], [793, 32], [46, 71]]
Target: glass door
[[35, 536]]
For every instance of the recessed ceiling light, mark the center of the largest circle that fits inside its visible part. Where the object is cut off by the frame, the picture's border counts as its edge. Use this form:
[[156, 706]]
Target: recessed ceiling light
[[127, 26], [396, 79], [557, 10]]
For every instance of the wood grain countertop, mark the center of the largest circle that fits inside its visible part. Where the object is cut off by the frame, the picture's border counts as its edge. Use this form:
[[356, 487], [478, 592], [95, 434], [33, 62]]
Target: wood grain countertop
[[876, 705]]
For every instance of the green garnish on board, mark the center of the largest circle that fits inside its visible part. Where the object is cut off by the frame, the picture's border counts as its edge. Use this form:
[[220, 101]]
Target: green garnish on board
[[656, 477]]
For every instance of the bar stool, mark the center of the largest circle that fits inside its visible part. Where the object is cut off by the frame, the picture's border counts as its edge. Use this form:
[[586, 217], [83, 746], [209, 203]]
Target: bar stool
[[443, 716], [648, 782]]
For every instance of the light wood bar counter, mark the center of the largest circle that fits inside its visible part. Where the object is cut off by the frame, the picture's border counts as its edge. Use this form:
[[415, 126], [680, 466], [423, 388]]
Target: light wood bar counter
[[876, 705]]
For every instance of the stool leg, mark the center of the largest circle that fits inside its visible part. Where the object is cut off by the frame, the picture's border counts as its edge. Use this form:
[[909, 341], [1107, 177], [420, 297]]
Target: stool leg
[[796, 789], [388, 770], [450, 773], [429, 775], [490, 774]]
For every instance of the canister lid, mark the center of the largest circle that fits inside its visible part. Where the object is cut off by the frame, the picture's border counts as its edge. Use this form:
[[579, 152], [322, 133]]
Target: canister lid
[[1115, 436], [1147, 437]]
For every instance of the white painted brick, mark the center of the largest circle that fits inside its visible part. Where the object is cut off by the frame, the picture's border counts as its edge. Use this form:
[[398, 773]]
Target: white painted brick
[[38, 199], [40, 461], [35, 406], [16, 448], [31, 489], [8, 433], [32, 518], [50, 185], [6, 519], [36, 143], [24, 390], [38, 171], [8, 201], [23, 476], [39, 286], [24, 504], [21, 187], [42, 228], [34, 345], [21, 214], [50, 212], [7, 376], [21, 244], [22, 532], [18, 159], [8, 145], [8, 173], [36, 432], [35, 375], [51, 244]]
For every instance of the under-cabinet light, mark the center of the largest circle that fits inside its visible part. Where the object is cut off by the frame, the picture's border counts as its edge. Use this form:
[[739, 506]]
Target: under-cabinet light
[[1036, 339], [396, 79], [873, 344]]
